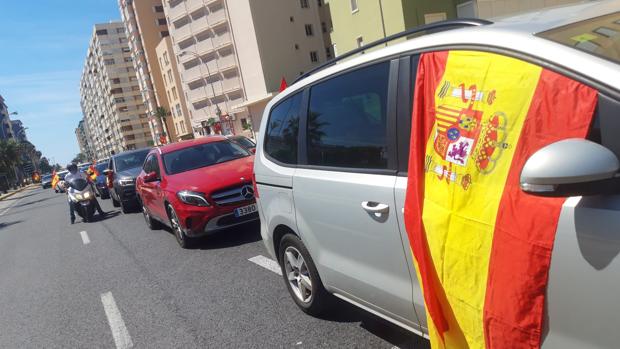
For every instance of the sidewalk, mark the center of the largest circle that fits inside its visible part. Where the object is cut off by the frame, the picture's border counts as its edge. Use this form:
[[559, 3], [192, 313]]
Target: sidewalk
[[13, 192]]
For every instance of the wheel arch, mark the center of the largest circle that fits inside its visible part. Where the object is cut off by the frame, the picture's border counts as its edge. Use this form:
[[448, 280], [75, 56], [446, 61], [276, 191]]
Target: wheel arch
[[278, 233]]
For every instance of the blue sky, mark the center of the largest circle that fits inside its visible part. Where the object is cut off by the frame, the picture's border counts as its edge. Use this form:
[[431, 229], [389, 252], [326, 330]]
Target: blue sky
[[42, 50]]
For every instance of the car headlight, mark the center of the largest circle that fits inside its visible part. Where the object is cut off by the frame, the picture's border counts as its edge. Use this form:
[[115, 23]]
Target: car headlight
[[193, 198], [126, 181], [79, 196], [87, 195]]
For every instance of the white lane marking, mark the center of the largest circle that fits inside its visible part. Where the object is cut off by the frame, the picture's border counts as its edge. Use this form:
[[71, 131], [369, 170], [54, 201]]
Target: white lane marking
[[117, 325], [85, 238], [266, 263]]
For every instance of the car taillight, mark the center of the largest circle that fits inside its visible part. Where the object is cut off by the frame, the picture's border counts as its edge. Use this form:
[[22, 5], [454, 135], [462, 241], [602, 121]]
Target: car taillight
[[254, 185]]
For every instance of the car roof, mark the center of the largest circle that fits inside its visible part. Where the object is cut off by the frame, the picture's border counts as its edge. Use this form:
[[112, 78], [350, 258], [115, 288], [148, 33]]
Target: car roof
[[130, 152], [168, 148], [510, 34]]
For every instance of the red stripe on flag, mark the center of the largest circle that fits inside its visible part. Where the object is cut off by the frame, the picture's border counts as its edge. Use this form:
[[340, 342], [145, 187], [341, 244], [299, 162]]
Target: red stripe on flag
[[526, 225], [422, 124]]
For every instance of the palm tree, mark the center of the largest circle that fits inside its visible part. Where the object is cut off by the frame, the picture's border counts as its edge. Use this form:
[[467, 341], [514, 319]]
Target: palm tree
[[161, 114]]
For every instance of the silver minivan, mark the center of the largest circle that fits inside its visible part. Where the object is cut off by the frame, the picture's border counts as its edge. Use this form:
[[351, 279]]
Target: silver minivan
[[331, 173]]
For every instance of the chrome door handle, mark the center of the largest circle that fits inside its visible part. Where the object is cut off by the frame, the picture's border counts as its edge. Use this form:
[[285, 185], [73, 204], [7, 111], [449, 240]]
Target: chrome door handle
[[375, 207]]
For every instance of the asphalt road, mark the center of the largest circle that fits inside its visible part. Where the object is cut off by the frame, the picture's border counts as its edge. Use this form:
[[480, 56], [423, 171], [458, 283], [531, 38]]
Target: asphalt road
[[116, 284]]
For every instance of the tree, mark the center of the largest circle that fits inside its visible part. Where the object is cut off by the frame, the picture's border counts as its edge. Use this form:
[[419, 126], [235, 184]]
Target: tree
[[80, 157], [44, 165], [161, 114], [9, 157]]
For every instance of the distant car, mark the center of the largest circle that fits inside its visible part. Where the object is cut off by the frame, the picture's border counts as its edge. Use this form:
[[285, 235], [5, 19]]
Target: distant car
[[101, 187], [121, 172], [197, 187], [46, 181], [244, 142]]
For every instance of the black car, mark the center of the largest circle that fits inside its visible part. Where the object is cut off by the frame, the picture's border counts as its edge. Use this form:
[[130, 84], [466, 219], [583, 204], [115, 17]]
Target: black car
[[122, 170]]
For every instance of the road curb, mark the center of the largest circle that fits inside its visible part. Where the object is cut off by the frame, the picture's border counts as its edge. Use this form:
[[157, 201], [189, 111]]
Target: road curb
[[15, 192]]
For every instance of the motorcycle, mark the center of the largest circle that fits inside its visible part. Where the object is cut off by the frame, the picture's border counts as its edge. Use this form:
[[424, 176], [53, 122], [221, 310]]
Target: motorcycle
[[82, 198]]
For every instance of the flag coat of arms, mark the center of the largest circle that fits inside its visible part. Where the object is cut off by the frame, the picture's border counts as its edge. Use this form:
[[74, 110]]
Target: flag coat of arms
[[482, 247]]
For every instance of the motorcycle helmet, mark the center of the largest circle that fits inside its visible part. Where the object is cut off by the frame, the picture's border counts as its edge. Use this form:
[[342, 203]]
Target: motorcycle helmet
[[72, 168]]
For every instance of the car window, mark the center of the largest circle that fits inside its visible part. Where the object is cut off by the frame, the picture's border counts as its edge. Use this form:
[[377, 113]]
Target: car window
[[102, 166], [244, 142], [130, 160], [347, 120], [282, 130], [202, 155], [598, 36]]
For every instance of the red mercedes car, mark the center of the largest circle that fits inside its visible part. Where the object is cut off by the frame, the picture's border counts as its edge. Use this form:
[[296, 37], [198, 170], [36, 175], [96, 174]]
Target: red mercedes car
[[197, 187]]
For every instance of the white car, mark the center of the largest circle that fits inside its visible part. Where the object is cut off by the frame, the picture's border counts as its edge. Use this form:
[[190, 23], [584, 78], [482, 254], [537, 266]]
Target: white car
[[331, 172]]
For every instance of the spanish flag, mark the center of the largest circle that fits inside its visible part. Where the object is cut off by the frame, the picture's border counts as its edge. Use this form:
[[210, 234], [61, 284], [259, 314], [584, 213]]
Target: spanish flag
[[92, 172], [481, 246], [55, 179]]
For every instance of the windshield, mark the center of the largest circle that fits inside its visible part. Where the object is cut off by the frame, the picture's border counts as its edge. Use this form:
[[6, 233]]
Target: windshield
[[132, 160], [598, 36], [78, 183], [245, 142], [101, 167], [46, 177], [202, 155]]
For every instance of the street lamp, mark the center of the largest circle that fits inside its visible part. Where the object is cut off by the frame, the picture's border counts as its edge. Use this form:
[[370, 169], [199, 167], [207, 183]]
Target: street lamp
[[218, 111]]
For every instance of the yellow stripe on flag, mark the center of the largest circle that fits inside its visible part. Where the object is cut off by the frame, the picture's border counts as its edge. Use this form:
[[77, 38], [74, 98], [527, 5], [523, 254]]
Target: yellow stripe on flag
[[459, 219]]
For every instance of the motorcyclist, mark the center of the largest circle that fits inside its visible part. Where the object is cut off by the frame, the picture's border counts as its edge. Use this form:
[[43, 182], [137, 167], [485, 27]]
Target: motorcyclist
[[73, 174]]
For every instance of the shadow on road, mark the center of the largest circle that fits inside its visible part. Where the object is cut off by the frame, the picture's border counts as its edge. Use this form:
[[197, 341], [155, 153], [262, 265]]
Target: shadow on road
[[33, 202], [344, 312], [8, 224], [235, 236]]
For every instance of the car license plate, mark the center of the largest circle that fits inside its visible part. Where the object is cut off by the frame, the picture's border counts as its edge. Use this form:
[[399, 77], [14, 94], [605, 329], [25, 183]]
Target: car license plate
[[245, 210]]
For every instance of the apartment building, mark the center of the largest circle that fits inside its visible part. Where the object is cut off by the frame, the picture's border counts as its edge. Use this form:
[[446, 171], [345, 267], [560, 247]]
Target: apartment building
[[496, 8], [358, 22], [6, 131], [81, 133], [112, 104], [179, 116], [146, 25], [232, 55]]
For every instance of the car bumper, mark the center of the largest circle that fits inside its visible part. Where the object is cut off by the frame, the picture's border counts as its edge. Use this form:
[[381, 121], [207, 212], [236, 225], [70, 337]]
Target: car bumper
[[127, 194], [203, 221]]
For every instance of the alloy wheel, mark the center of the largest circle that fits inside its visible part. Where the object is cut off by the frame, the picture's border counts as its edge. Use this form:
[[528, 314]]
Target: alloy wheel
[[176, 227], [298, 274]]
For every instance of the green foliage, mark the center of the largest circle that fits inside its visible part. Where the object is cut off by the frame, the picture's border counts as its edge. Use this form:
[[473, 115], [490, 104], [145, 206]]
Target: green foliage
[[44, 165], [80, 157]]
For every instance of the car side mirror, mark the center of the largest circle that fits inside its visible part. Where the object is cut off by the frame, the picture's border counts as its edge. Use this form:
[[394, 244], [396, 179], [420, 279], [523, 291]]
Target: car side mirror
[[571, 167], [150, 177]]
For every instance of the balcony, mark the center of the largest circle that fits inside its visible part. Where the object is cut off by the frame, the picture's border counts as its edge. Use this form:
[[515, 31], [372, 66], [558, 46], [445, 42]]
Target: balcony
[[196, 95], [182, 32], [204, 46], [222, 40], [200, 24], [231, 84], [217, 17], [227, 62], [177, 11]]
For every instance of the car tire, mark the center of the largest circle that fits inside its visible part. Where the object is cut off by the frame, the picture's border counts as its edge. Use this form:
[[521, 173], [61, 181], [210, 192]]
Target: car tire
[[183, 240], [124, 207], [301, 277], [152, 223]]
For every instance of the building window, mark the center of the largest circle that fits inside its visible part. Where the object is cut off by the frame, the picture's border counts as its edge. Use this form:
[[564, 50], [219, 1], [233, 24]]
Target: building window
[[304, 3], [178, 108], [360, 41], [102, 32], [122, 40], [126, 49], [320, 2], [174, 93], [328, 52], [161, 21], [354, 6], [120, 30], [296, 47], [164, 33], [116, 81], [127, 59], [109, 61], [309, 30], [159, 8], [170, 75], [291, 19], [324, 27], [314, 57]]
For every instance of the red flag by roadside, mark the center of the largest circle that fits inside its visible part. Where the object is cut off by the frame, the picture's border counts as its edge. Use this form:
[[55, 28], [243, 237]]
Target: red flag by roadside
[[283, 84]]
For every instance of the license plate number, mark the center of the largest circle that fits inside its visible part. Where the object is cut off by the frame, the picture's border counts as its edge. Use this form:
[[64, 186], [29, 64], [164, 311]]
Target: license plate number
[[245, 210]]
